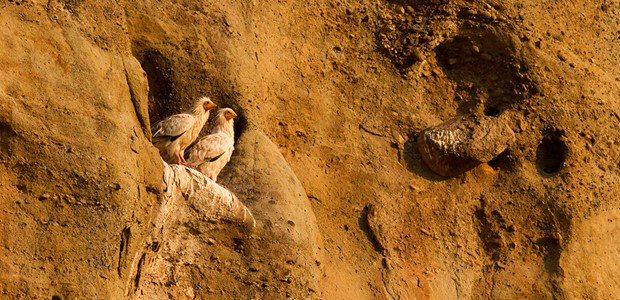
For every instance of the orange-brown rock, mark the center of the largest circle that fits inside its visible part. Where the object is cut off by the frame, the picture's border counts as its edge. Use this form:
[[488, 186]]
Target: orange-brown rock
[[461, 143], [330, 96]]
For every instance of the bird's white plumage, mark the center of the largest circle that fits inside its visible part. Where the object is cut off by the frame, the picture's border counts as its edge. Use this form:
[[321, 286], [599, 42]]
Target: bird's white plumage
[[175, 133], [174, 125], [211, 153]]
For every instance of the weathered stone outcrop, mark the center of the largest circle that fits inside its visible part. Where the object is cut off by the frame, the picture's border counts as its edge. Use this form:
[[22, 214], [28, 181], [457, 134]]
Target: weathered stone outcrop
[[330, 97], [78, 174], [189, 204], [463, 142], [281, 248], [288, 248]]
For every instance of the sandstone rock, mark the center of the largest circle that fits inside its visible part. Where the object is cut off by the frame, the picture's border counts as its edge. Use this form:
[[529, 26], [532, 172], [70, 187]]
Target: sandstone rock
[[64, 104], [209, 199], [193, 206], [65, 92], [189, 206], [286, 225], [463, 142]]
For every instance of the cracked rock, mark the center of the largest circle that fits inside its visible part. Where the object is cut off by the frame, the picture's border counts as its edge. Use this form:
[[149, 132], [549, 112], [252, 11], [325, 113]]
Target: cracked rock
[[463, 142]]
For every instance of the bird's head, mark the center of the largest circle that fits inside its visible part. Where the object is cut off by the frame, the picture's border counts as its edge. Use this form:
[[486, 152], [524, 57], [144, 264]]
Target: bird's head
[[202, 106], [207, 104], [229, 114]]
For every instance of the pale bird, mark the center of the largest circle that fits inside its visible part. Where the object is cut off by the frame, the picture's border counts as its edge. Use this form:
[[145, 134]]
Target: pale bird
[[175, 133], [210, 154]]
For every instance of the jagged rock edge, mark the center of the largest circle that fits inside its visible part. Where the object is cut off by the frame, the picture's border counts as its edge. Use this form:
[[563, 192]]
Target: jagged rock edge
[[209, 198]]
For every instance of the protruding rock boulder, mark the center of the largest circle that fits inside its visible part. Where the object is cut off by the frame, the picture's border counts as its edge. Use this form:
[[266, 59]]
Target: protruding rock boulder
[[184, 232], [286, 226], [461, 143]]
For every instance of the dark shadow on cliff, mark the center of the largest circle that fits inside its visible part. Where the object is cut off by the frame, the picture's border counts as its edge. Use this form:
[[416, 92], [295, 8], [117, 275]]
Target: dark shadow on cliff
[[487, 67], [364, 223]]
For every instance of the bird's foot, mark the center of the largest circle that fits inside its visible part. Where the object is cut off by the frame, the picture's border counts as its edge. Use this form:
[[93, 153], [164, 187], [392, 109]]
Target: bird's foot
[[188, 165], [182, 161]]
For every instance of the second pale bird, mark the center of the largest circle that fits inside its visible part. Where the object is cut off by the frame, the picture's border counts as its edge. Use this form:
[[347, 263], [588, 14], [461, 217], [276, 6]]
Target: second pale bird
[[211, 153]]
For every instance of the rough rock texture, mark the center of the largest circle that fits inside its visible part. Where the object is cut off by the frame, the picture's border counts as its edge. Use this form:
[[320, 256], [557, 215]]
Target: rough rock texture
[[342, 89], [188, 207], [285, 253], [77, 169], [461, 143]]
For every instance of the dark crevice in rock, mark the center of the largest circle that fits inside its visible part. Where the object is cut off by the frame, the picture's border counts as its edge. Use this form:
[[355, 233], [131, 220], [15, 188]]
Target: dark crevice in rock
[[501, 161], [491, 111], [241, 122], [489, 64], [551, 153], [365, 226], [136, 280], [123, 249]]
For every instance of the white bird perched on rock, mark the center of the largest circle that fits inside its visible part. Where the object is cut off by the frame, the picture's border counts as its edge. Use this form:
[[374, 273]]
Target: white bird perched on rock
[[175, 133], [211, 153]]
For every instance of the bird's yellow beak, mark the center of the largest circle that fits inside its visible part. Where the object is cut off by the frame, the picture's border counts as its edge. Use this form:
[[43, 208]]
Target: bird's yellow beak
[[210, 105], [233, 114]]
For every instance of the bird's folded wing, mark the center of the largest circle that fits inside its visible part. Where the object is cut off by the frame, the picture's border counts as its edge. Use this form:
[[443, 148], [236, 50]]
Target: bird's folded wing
[[173, 126], [209, 147]]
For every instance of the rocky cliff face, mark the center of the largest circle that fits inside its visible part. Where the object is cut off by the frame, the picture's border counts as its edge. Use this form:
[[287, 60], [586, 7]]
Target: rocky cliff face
[[331, 98]]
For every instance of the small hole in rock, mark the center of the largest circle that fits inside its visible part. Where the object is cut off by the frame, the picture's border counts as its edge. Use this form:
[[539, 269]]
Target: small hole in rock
[[491, 111], [551, 154], [56, 297]]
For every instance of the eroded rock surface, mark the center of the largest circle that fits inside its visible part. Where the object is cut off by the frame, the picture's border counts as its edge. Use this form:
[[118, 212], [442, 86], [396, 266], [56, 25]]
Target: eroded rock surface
[[340, 89], [461, 143], [78, 173], [189, 206], [277, 254], [287, 248]]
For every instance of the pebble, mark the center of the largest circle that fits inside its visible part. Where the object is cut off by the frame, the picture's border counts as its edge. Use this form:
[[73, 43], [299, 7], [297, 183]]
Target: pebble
[[562, 56], [487, 15], [471, 12], [45, 196], [486, 56], [417, 55]]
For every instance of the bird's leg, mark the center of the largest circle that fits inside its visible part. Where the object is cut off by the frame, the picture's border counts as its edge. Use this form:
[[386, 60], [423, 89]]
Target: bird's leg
[[181, 160]]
